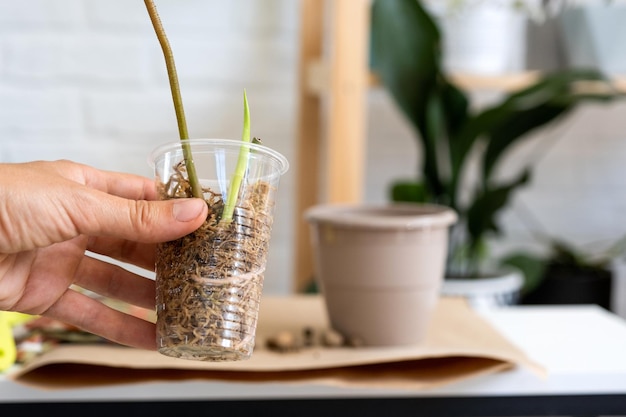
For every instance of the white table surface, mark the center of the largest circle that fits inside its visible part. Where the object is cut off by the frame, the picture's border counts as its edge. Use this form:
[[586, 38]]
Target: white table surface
[[583, 349]]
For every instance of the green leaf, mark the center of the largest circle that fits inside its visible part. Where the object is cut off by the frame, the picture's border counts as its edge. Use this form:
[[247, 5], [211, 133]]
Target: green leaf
[[532, 267], [411, 192], [240, 168], [456, 107], [509, 122], [482, 213], [432, 134], [560, 82], [512, 128], [535, 107], [405, 54]]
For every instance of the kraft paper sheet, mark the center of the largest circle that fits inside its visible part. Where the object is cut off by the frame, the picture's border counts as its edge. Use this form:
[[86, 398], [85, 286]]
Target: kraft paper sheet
[[459, 345]]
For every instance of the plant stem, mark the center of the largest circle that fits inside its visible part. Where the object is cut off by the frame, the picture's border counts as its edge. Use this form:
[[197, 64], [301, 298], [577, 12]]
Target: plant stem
[[240, 169], [196, 188]]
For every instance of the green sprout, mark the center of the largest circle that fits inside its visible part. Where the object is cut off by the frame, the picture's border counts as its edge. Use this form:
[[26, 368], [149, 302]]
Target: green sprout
[[196, 188], [240, 169]]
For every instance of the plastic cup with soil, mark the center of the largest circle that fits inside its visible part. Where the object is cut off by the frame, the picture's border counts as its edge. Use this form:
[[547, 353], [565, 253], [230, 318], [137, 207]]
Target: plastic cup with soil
[[209, 282]]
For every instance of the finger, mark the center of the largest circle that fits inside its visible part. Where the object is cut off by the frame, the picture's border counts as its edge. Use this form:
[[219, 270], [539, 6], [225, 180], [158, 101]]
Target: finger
[[95, 213], [129, 186], [115, 282], [94, 317], [124, 185]]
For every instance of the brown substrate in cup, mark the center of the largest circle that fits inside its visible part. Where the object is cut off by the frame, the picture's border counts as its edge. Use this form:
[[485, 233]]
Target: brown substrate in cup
[[209, 282]]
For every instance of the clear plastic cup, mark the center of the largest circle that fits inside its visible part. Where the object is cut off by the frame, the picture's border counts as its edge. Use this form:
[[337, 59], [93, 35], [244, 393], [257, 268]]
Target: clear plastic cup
[[209, 282]]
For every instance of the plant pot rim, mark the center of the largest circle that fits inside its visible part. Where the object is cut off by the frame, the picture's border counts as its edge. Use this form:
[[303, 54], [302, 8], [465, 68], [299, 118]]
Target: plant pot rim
[[406, 216]]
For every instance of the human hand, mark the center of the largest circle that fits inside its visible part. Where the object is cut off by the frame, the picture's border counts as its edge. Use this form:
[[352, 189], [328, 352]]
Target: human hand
[[52, 212]]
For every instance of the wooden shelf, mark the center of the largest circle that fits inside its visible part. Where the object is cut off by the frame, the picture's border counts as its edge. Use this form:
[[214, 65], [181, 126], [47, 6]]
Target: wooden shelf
[[512, 82], [318, 76]]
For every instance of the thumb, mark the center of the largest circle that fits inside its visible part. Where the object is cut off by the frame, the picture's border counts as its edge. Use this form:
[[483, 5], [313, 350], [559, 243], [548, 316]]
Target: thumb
[[146, 221]]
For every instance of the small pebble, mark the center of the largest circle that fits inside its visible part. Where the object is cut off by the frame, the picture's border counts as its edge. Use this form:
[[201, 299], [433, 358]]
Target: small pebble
[[287, 341], [283, 341], [355, 342], [308, 334], [332, 338]]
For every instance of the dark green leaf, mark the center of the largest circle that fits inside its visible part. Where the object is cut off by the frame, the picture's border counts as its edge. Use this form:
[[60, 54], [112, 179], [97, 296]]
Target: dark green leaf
[[531, 108], [513, 127], [456, 107], [481, 214], [509, 121], [411, 192], [557, 83], [405, 54], [431, 138], [532, 267]]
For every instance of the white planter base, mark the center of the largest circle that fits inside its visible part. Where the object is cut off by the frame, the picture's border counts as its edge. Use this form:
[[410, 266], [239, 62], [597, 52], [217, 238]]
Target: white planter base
[[495, 291]]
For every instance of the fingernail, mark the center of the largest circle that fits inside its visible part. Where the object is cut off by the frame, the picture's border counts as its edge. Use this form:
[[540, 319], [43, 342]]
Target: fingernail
[[188, 210]]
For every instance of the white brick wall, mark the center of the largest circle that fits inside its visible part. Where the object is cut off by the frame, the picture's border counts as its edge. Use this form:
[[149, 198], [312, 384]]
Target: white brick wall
[[85, 80]]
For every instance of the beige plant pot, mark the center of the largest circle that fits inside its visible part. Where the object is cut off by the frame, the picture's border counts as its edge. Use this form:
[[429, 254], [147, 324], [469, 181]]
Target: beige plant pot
[[380, 268]]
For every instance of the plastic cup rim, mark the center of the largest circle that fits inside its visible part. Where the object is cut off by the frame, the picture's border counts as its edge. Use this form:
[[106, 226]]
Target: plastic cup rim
[[170, 146]]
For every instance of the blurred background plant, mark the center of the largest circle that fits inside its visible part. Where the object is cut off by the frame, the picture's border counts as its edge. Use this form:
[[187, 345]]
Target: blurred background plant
[[568, 274], [406, 55]]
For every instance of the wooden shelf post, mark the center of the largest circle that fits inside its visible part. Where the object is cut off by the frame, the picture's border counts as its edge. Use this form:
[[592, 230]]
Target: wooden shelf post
[[331, 124]]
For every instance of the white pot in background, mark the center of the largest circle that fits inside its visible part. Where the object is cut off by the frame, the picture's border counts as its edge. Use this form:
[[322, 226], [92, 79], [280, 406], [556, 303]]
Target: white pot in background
[[482, 38], [495, 291]]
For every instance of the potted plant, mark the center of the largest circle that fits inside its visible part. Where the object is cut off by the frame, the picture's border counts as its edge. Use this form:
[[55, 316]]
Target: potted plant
[[567, 274], [406, 56]]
